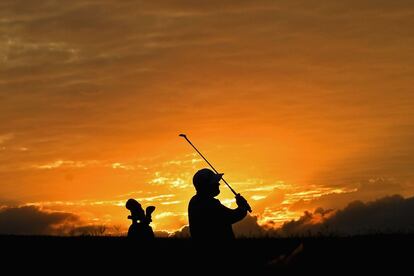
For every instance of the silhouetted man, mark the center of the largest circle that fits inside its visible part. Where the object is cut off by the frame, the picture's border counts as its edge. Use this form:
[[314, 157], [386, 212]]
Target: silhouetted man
[[141, 230], [208, 218]]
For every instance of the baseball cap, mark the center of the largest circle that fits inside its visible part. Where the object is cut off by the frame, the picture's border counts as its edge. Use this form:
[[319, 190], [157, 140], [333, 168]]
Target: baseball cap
[[205, 177]]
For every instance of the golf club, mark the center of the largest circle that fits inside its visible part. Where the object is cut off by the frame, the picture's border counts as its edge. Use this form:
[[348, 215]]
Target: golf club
[[228, 185]]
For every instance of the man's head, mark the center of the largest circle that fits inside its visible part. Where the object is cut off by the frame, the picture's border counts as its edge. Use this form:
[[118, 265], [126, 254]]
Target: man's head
[[206, 182]]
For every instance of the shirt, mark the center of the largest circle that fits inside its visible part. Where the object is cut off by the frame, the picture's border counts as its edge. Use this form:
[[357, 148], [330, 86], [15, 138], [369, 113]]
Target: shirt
[[211, 220]]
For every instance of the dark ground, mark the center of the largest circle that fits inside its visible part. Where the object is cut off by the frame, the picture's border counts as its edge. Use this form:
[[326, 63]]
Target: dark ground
[[270, 256]]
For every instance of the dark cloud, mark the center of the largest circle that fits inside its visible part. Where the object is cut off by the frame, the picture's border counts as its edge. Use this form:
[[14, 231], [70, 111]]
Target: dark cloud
[[392, 214], [162, 234], [248, 227], [30, 220], [184, 232]]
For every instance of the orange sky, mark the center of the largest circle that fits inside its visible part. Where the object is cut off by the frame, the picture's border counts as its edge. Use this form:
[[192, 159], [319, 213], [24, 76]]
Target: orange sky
[[300, 104]]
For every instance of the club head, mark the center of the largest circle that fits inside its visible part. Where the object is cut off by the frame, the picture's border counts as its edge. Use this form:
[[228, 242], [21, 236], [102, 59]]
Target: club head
[[149, 210], [182, 135]]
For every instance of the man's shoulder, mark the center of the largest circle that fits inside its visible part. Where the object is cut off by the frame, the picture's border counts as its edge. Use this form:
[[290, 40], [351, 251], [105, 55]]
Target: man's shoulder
[[205, 201], [193, 200], [196, 199]]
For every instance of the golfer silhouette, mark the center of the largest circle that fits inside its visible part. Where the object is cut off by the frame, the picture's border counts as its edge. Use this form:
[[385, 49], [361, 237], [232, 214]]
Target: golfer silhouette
[[209, 219]]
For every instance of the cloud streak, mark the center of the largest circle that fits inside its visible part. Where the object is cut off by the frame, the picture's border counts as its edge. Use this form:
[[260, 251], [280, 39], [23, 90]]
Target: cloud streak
[[5, 137]]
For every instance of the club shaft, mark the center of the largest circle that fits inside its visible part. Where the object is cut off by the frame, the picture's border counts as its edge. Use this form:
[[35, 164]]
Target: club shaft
[[185, 137]]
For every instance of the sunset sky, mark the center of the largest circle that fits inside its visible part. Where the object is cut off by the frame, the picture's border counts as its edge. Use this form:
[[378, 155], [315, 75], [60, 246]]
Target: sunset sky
[[301, 104]]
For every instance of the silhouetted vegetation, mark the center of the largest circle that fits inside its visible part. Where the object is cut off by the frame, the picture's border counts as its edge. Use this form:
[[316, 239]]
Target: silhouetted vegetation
[[263, 256]]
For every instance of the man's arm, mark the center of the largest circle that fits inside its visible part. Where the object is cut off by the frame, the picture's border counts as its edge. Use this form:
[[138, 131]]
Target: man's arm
[[234, 215]]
